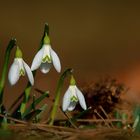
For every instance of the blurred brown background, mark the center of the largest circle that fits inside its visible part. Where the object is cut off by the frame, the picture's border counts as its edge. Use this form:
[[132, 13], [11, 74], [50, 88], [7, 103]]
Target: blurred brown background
[[96, 38]]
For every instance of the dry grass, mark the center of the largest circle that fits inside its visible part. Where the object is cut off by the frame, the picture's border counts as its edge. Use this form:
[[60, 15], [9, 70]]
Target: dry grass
[[43, 131]]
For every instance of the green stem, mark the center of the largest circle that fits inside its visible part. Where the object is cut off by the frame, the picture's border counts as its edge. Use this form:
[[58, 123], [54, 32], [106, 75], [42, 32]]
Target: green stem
[[34, 108], [57, 95], [25, 99], [5, 67], [27, 91]]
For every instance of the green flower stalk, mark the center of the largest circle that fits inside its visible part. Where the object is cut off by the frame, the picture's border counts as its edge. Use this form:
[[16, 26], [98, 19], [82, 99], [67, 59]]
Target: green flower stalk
[[25, 99], [66, 73], [28, 88], [11, 44]]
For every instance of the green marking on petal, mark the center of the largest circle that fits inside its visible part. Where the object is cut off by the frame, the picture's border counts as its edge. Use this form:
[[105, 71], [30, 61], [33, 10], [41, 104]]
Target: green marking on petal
[[22, 72], [74, 99], [46, 59]]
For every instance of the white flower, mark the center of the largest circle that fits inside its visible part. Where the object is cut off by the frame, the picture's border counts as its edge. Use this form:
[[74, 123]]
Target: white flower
[[19, 68], [71, 97], [45, 57]]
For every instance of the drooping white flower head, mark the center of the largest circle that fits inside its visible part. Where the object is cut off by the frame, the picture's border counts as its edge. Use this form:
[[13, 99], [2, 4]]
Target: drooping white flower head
[[72, 96], [19, 68], [45, 57]]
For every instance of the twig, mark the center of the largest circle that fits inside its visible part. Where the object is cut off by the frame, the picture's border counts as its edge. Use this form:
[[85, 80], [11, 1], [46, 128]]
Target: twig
[[99, 120], [69, 119], [95, 120], [102, 118], [16, 101], [13, 119], [106, 115], [62, 128], [54, 131]]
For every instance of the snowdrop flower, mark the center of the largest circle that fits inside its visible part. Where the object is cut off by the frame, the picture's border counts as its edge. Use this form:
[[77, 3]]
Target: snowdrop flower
[[19, 68], [45, 57], [72, 96]]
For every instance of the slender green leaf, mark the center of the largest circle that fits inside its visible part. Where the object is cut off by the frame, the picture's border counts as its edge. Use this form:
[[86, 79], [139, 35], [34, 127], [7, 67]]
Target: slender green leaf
[[5, 67], [43, 108], [32, 115], [36, 102]]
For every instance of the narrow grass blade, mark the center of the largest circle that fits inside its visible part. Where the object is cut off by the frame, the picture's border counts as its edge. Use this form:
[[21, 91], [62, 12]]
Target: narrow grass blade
[[35, 115], [118, 116], [136, 117], [32, 115], [135, 124], [4, 123]]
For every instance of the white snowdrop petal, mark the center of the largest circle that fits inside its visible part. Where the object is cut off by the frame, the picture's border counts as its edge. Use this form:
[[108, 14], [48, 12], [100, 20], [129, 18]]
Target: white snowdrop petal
[[13, 74], [45, 67], [73, 89], [56, 60], [29, 73], [37, 59], [20, 63], [66, 100], [72, 106], [81, 99]]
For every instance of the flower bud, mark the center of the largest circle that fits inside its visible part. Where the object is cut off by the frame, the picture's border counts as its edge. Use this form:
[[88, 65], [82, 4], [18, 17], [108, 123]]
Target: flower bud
[[18, 53]]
